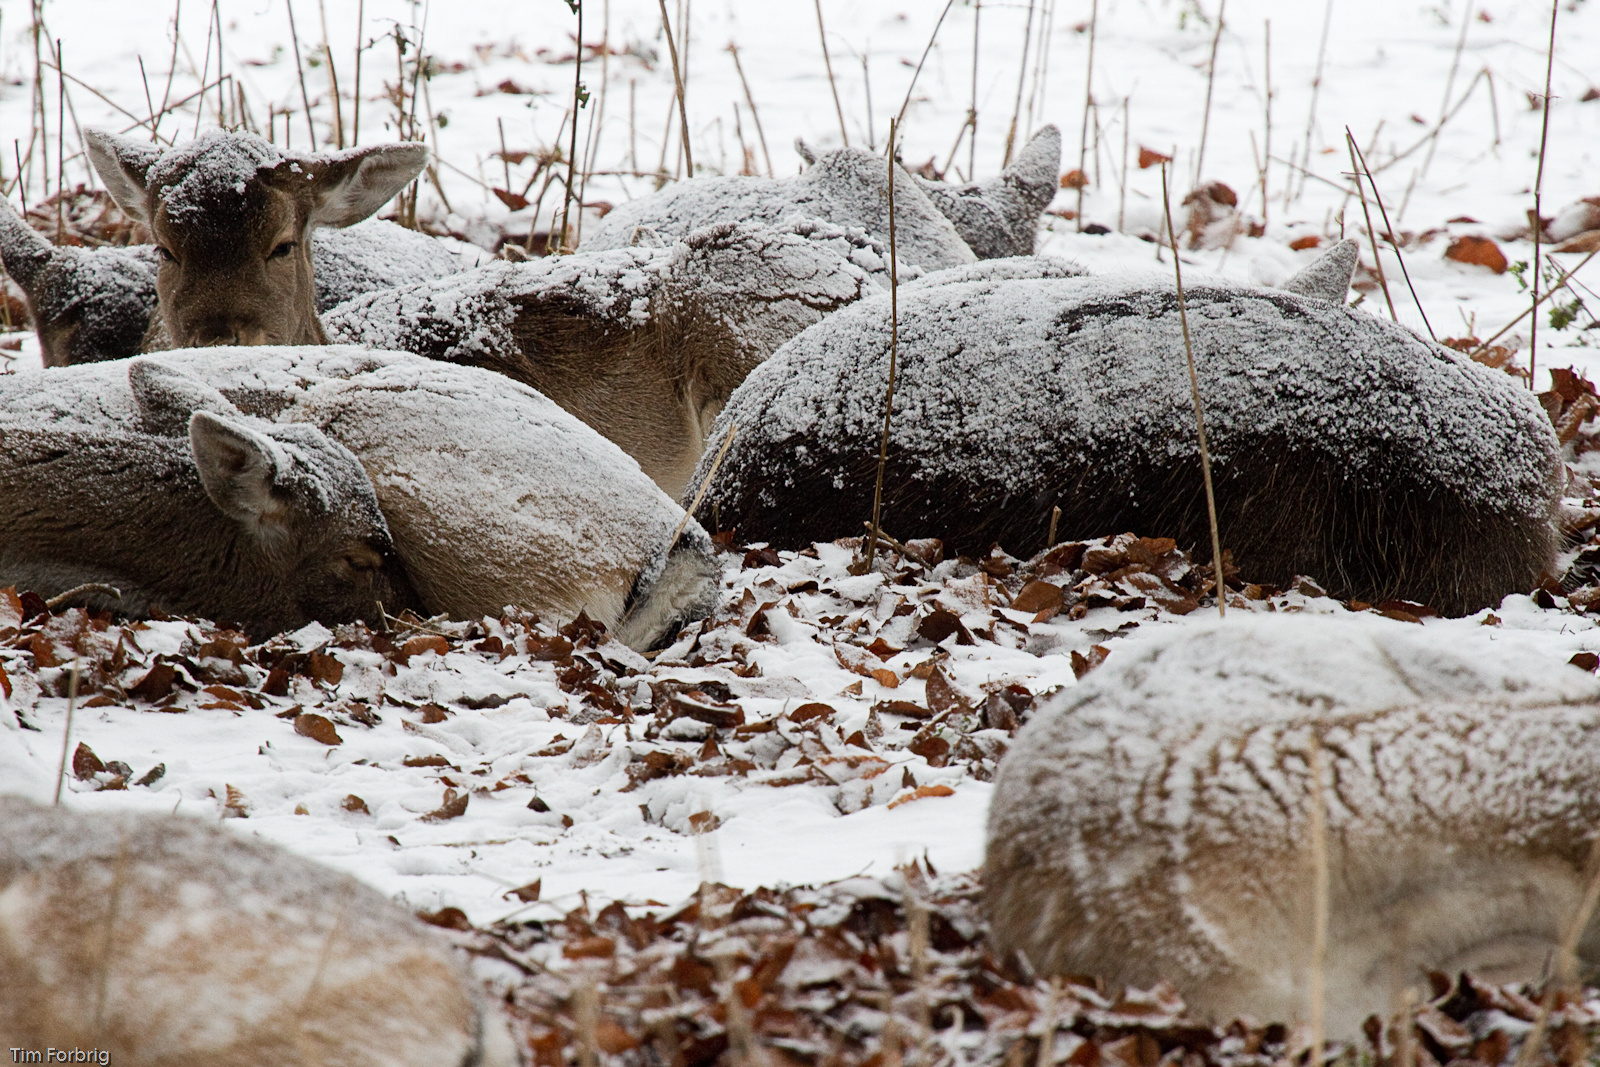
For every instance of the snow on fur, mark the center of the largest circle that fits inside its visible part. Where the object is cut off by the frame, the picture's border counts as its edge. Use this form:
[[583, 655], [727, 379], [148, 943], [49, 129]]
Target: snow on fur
[[1152, 822], [848, 187], [1015, 395]]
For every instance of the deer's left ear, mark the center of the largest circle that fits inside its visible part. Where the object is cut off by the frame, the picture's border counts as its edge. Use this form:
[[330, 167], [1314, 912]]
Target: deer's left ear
[[347, 187]]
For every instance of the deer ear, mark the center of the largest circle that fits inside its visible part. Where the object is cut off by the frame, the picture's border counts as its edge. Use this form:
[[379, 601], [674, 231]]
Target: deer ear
[[23, 252], [352, 185], [124, 165], [239, 469], [167, 396]]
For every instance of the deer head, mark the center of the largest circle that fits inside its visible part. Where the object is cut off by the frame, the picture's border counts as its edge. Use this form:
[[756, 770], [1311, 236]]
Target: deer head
[[232, 218]]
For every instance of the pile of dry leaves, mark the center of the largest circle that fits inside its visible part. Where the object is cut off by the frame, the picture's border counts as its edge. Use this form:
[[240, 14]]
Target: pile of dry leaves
[[879, 972]]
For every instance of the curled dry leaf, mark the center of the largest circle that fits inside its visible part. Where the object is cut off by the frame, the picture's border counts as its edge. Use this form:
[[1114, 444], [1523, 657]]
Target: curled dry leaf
[[1479, 251], [317, 728]]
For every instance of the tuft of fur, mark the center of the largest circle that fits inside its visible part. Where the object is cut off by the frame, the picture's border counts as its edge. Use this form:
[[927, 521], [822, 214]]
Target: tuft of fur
[[1151, 823], [1328, 276], [1344, 447], [166, 940]]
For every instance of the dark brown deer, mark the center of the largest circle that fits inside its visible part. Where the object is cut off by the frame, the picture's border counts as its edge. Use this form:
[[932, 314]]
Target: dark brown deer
[[232, 218], [1344, 447]]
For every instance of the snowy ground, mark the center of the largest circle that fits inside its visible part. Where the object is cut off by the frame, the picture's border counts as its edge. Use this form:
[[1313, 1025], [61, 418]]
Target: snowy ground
[[502, 723]]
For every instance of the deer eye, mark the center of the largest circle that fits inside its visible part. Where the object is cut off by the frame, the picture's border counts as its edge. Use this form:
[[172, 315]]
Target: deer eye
[[164, 255], [282, 250]]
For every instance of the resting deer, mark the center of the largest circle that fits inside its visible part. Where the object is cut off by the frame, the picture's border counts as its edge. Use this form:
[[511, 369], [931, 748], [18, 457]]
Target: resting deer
[[937, 225], [91, 304], [644, 344], [167, 940], [489, 494], [194, 510], [232, 218], [1343, 447], [1153, 823]]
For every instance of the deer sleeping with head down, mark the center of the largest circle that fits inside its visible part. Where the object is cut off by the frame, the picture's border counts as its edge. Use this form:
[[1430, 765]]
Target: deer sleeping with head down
[[1156, 822]]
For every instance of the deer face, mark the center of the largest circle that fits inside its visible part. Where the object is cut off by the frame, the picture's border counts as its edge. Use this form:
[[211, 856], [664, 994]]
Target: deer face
[[232, 217]]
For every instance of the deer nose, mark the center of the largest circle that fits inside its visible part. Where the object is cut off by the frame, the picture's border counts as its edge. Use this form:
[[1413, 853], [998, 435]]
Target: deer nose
[[220, 331]]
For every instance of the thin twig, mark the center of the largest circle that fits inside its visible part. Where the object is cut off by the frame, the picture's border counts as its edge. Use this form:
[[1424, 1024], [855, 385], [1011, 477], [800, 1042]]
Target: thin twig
[[1211, 81], [972, 107], [761, 135], [700, 494], [677, 79], [565, 245], [827, 61], [1311, 113], [1394, 242], [1319, 903], [300, 70], [333, 76], [355, 97], [1088, 102], [900, 116], [1372, 231], [88, 587], [1199, 411], [1554, 289], [66, 731], [894, 352], [1266, 148], [1538, 196], [1016, 111]]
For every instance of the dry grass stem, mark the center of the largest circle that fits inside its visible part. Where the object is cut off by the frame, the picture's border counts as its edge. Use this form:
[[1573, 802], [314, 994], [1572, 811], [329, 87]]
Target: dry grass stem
[[1554, 288], [677, 80], [1055, 522], [564, 244], [699, 495], [1199, 410], [827, 61], [1266, 147], [1538, 196], [300, 71], [1211, 81], [1047, 1026], [1394, 242], [1083, 132], [586, 1013], [755, 115], [355, 94], [1319, 903], [894, 352], [66, 730], [1022, 77], [1311, 113], [333, 74], [900, 116], [1372, 231], [972, 106]]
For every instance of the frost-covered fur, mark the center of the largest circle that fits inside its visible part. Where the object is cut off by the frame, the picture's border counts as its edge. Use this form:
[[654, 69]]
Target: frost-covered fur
[[166, 940], [1152, 823], [999, 217], [644, 344], [233, 217], [86, 304], [95, 304], [184, 505], [493, 494], [1343, 447], [850, 187]]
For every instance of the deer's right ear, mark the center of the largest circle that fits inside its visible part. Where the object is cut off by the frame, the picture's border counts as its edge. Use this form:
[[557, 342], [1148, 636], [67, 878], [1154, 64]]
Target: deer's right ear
[[239, 469], [124, 165], [167, 396], [23, 252]]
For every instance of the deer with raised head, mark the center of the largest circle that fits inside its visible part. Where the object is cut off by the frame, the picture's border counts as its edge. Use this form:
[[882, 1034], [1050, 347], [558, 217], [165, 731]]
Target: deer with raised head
[[191, 509], [1158, 821], [162, 940], [232, 218]]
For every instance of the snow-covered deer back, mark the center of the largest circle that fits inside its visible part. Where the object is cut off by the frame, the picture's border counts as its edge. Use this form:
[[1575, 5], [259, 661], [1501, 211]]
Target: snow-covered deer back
[[160, 939], [936, 225], [232, 218], [644, 344], [1344, 447], [1152, 822], [160, 488]]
